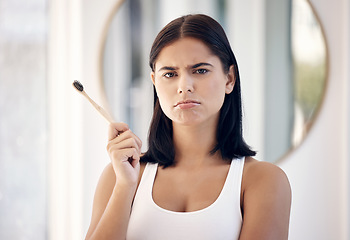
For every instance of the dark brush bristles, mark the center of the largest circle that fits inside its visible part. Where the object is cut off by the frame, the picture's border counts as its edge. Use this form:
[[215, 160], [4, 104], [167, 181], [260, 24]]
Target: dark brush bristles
[[78, 85]]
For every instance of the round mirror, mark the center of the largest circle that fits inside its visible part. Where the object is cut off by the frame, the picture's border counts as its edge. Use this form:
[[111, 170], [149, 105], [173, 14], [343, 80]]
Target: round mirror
[[281, 53]]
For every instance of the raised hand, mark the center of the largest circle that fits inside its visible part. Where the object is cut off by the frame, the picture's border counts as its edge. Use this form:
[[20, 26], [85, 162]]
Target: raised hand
[[124, 149]]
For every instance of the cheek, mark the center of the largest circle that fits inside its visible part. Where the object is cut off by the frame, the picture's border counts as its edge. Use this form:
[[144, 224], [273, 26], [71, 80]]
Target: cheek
[[163, 97], [215, 91], [160, 92]]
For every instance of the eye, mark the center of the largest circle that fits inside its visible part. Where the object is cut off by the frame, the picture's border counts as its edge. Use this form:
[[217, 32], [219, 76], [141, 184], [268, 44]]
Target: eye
[[201, 71], [169, 75]]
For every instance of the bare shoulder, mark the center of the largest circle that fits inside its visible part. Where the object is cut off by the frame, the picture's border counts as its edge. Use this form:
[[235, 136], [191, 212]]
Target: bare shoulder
[[104, 191], [263, 173], [107, 182], [265, 201]]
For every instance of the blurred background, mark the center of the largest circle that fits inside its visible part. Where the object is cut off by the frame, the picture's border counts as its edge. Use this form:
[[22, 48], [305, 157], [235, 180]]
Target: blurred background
[[294, 61]]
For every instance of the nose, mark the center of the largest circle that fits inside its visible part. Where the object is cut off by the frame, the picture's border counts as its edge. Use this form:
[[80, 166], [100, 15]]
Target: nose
[[185, 84]]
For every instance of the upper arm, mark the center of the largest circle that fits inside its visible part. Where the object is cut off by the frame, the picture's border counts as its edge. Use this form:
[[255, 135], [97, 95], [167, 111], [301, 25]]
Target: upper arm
[[103, 193], [266, 202]]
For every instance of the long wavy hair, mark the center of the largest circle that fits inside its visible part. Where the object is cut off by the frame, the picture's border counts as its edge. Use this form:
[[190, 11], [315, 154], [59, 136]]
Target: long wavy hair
[[229, 136]]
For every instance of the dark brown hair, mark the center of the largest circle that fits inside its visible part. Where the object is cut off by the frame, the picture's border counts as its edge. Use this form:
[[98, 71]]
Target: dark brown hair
[[229, 137]]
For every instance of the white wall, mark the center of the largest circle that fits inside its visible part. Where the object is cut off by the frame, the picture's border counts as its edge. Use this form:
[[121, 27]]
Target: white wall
[[77, 134], [65, 117], [318, 170]]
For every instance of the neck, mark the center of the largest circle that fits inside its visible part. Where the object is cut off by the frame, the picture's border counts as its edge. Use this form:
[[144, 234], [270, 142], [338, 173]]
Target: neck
[[193, 144]]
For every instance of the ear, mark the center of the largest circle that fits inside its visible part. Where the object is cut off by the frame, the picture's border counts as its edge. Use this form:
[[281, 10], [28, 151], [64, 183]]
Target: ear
[[231, 80], [153, 77]]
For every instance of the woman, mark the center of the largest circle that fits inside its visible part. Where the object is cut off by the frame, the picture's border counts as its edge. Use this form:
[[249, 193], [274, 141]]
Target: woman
[[198, 179]]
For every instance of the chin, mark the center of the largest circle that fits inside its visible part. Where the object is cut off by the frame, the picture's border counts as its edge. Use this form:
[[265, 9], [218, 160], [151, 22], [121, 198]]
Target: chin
[[188, 122], [192, 118]]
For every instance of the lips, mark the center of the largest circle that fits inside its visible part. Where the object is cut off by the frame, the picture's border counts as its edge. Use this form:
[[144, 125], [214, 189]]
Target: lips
[[186, 104]]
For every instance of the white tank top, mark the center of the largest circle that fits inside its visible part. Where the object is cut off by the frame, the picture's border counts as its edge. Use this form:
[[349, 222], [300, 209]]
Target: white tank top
[[221, 220]]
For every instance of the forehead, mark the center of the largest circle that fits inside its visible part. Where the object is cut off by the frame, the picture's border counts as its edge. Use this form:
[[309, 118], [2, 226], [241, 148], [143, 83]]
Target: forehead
[[185, 51]]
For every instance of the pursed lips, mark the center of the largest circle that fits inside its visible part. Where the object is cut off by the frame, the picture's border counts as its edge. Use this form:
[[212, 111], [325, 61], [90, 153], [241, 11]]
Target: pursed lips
[[186, 104]]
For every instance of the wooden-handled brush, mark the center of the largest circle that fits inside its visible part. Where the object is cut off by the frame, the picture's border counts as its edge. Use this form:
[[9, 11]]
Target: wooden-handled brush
[[79, 87]]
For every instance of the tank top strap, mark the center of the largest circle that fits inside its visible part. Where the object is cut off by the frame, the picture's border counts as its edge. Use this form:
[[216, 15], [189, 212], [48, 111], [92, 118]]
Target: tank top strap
[[147, 178], [235, 175]]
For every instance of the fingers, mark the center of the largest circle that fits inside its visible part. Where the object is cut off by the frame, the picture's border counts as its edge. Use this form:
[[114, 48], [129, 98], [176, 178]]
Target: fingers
[[115, 129], [125, 140], [123, 143], [129, 142], [129, 155]]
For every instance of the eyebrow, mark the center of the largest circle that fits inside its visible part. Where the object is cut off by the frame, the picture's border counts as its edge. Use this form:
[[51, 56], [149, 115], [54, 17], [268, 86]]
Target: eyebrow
[[197, 65], [201, 64], [168, 68]]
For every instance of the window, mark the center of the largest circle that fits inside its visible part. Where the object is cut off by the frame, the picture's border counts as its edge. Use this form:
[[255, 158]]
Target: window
[[23, 119]]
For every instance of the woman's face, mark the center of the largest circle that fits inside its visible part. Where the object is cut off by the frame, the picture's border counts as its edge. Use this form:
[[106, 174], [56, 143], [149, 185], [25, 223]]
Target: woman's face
[[190, 82]]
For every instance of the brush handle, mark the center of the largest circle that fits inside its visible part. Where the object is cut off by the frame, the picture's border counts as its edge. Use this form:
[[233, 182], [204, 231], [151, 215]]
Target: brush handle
[[98, 108]]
